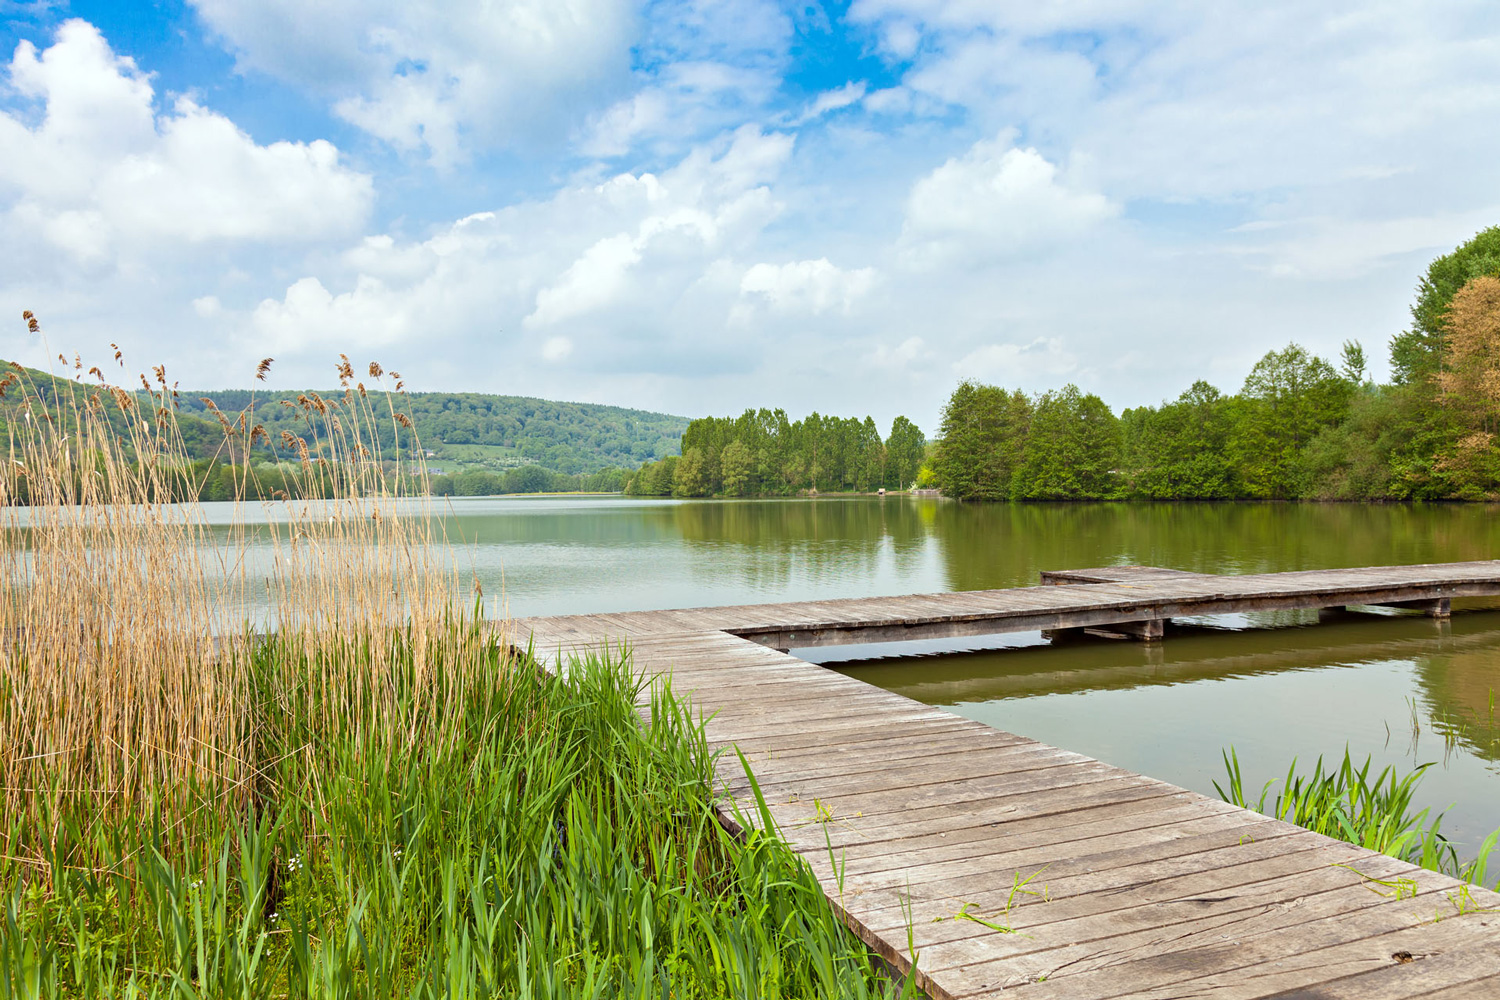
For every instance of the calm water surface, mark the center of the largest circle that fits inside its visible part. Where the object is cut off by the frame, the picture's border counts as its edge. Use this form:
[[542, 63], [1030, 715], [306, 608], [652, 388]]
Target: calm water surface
[[1401, 688]]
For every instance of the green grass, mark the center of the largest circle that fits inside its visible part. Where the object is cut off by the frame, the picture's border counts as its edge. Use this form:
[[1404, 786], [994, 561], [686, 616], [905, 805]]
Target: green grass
[[1378, 813], [544, 842]]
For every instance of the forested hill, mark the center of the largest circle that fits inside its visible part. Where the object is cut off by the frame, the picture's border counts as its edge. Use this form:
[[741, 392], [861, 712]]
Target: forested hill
[[480, 430]]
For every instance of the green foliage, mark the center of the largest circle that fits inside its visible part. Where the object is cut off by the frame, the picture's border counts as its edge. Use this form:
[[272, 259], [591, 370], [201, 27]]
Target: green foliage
[[905, 450], [1180, 451], [984, 433], [1000, 445], [763, 453], [560, 846], [1288, 398], [1346, 803], [1416, 354], [1072, 449], [563, 437], [737, 469]]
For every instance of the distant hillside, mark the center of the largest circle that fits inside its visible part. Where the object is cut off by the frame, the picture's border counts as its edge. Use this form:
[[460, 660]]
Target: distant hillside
[[480, 431]]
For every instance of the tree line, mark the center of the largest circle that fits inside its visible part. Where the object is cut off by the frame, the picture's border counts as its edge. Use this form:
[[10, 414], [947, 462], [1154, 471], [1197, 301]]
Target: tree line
[[1300, 427], [763, 453], [527, 479]]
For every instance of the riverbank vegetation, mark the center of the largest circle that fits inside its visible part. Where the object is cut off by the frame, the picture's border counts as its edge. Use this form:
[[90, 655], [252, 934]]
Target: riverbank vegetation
[[1301, 426], [370, 795], [762, 453], [1349, 805]]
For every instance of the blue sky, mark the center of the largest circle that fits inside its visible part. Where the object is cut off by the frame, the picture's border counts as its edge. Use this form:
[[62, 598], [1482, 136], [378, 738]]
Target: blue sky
[[701, 206]]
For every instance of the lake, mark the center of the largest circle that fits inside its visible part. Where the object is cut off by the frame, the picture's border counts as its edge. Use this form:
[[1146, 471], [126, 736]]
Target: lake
[[1398, 687]]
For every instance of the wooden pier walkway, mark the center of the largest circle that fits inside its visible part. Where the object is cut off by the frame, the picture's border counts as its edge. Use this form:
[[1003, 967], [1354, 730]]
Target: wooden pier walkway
[[1089, 882]]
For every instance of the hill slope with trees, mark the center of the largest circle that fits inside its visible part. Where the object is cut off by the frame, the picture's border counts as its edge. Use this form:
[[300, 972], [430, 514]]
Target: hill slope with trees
[[476, 430]]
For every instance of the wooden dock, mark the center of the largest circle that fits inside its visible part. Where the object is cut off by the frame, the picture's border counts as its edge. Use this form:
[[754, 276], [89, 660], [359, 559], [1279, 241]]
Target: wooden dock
[[1143, 889]]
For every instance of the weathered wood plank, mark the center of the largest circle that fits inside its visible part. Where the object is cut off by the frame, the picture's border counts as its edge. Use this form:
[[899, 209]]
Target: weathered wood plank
[[1152, 891]]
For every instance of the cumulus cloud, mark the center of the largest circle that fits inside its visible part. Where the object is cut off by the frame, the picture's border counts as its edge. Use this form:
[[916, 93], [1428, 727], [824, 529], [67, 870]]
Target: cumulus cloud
[[639, 252], [440, 77], [998, 199], [1191, 101], [810, 287], [101, 172], [592, 281], [310, 318], [556, 348]]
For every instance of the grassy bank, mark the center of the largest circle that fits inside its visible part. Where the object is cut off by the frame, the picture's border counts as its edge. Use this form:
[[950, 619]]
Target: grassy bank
[[375, 798], [553, 845], [1378, 812]]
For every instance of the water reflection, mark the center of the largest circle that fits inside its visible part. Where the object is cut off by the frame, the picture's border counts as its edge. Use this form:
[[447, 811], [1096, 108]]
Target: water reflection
[[554, 555], [1008, 545], [1402, 689], [1457, 665]]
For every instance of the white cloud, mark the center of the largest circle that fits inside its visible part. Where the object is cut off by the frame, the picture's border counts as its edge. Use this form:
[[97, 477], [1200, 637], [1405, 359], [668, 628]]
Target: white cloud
[[1044, 358], [101, 173], [592, 281], [1322, 248], [1193, 101], [808, 287], [703, 67], [909, 353], [833, 100], [556, 348], [641, 253], [441, 76], [310, 319], [997, 199]]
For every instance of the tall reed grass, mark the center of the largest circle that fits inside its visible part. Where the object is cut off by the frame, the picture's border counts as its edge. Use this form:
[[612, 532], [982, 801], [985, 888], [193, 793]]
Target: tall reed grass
[[373, 796]]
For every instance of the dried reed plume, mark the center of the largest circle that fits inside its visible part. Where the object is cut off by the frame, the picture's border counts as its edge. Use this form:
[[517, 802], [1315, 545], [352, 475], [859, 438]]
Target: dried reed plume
[[130, 672]]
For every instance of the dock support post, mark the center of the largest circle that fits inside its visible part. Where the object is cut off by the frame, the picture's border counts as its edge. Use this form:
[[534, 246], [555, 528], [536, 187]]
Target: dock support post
[[1150, 630], [1440, 607]]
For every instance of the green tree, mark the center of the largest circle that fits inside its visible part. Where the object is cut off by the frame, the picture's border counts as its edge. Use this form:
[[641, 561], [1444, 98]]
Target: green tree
[[1072, 449], [737, 469], [692, 477], [528, 479], [1288, 398], [476, 483], [1416, 354], [904, 451], [983, 432], [1180, 451]]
